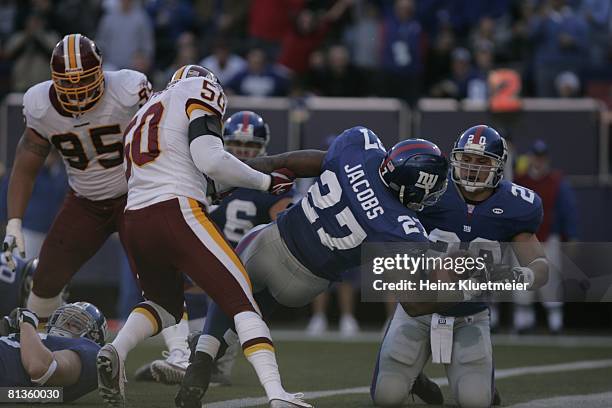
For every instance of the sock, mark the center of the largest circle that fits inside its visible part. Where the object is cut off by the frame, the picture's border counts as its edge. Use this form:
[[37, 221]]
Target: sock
[[264, 363], [209, 345], [137, 328], [554, 312], [175, 336], [196, 324], [43, 307], [524, 316], [254, 336]]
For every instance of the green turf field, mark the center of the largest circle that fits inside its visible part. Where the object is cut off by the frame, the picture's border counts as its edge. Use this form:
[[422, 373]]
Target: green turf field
[[333, 365]]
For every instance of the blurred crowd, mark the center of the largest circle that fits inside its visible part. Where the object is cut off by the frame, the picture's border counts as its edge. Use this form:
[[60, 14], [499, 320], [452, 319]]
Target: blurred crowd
[[398, 48]]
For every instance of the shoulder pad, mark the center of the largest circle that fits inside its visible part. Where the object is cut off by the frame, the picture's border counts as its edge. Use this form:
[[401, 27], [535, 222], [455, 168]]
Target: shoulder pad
[[130, 88], [36, 100]]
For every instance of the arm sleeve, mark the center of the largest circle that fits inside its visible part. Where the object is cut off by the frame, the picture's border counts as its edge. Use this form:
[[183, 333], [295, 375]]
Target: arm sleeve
[[211, 159]]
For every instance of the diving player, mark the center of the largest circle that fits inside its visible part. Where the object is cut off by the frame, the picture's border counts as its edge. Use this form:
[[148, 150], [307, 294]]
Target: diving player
[[363, 194], [245, 135], [483, 210], [65, 356], [82, 112]]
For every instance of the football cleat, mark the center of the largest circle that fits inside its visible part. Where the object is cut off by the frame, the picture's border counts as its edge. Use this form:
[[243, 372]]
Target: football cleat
[[195, 382], [143, 373], [427, 390], [290, 401], [111, 376], [172, 369]]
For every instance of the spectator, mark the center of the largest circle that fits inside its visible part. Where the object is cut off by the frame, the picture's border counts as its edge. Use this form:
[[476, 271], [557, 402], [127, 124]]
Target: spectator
[[8, 13], [186, 53], [125, 37], [270, 21], [598, 15], [477, 87], [560, 38], [47, 197], [403, 52], [439, 60], [363, 38], [558, 225], [567, 85], [340, 78], [171, 18], [76, 16], [259, 78], [30, 51], [224, 63], [495, 32], [306, 35], [461, 74]]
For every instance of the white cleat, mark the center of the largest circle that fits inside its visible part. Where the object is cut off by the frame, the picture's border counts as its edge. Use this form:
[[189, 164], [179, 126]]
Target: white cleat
[[171, 370], [111, 376], [290, 401], [317, 325], [348, 326]]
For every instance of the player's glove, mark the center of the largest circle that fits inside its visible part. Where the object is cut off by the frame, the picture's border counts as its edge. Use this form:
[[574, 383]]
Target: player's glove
[[518, 274], [282, 181], [21, 315], [13, 239]]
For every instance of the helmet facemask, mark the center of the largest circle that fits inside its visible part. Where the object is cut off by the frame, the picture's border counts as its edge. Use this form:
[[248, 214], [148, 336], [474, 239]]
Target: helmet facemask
[[473, 173], [78, 91], [73, 321]]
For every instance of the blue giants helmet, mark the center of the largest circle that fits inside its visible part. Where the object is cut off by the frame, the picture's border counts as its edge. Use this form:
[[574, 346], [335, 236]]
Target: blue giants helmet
[[416, 172], [246, 135], [478, 158], [80, 319]]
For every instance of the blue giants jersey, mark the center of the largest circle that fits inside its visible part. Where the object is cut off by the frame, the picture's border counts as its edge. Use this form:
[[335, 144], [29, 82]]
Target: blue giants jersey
[[11, 285], [243, 210], [511, 210], [12, 373], [347, 206]]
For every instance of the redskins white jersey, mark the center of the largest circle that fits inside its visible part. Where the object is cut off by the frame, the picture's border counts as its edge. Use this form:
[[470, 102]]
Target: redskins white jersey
[[91, 144], [158, 160]]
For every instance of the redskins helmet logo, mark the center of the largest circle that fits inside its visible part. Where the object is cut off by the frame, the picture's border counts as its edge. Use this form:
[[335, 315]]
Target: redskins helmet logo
[[76, 71]]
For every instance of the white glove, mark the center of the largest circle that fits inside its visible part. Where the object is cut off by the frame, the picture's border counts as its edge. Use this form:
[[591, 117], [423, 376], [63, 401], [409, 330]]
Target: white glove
[[524, 274], [13, 239]]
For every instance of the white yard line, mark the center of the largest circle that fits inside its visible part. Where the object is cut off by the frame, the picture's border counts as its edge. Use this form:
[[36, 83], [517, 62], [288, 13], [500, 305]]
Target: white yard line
[[499, 374]]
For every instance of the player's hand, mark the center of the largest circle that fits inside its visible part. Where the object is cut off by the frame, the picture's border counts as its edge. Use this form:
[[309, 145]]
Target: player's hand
[[523, 274], [505, 273], [13, 239], [282, 181], [21, 315]]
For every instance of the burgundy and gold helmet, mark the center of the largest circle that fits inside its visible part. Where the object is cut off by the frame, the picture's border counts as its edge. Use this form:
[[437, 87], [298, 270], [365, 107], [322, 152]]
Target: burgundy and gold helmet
[[188, 71], [76, 70]]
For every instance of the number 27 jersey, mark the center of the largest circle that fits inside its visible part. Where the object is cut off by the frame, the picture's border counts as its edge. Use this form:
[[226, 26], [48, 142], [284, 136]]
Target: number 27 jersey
[[347, 206], [158, 162]]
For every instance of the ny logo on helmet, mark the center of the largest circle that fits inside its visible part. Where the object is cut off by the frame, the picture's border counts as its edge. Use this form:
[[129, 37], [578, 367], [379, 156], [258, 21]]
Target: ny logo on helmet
[[426, 181]]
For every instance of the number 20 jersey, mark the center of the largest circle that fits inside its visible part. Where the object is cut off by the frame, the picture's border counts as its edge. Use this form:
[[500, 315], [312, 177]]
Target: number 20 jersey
[[91, 144], [158, 162], [511, 210], [347, 206]]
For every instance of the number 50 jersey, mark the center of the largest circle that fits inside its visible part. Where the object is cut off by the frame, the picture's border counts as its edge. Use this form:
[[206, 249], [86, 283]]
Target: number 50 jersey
[[158, 162], [91, 144], [347, 206]]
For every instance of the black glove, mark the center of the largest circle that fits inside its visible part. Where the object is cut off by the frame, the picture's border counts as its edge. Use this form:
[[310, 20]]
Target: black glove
[[22, 315]]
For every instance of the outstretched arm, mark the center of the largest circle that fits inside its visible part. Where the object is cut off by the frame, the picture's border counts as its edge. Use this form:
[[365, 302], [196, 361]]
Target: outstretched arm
[[303, 163]]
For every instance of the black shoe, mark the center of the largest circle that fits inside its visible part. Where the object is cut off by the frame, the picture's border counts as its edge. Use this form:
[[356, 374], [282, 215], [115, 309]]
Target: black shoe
[[427, 390], [496, 397], [144, 373], [192, 342], [195, 383]]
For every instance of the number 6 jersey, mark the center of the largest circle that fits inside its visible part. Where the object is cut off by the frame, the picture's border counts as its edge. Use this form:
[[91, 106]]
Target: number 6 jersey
[[91, 144], [158, 163]]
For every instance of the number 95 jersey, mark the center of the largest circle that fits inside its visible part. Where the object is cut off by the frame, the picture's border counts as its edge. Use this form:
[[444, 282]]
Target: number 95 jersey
[[158, 163], [347, 206], [91, 144]]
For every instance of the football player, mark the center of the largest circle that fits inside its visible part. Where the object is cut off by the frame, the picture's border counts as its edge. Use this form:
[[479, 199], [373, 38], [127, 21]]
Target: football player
[[363, 193], [483, 210], [82, 112], [245, 135], [171, 145], [65, 356]]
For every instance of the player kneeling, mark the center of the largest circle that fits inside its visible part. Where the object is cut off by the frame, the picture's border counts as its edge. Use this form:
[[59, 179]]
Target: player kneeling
[[65, 356]]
